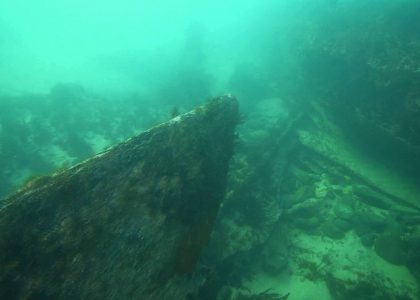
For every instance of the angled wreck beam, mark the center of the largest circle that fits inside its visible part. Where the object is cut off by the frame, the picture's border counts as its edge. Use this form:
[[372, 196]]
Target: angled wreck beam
[[126, 224]]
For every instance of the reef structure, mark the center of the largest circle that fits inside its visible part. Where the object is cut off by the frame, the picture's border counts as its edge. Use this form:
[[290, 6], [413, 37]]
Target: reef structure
[[129, 223]]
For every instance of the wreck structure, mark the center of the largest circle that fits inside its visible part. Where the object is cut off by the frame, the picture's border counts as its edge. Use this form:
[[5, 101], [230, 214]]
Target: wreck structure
[[129, 223]]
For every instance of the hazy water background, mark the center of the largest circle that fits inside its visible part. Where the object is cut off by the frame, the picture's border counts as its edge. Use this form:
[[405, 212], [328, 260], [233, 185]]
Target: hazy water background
[[129, 45]]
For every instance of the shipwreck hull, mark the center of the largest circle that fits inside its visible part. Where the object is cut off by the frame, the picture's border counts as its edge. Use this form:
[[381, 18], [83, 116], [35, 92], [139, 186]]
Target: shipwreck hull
[[127, 224]]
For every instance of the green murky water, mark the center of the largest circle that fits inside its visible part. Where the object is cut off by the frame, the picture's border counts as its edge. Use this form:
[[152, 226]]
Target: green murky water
[[323, 200]]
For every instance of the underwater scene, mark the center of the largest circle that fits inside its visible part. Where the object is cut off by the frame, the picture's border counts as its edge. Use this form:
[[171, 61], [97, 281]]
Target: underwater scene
[[210, 150]]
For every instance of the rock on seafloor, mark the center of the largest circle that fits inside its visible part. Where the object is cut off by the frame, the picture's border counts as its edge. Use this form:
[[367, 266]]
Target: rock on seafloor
[[126, 224]]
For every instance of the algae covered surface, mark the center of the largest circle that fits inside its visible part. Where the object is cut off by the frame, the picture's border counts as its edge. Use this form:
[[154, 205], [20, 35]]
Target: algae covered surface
[[124, 176]]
